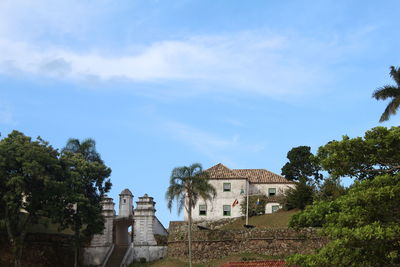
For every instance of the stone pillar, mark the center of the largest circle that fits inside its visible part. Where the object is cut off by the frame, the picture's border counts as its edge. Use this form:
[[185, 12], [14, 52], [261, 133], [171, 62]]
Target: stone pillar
[[100, 244], [125, 203], [143, 218], [106, 238]]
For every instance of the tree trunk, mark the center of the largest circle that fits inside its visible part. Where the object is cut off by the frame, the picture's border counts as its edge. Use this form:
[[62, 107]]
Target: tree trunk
[[190, 233], [76, 256]]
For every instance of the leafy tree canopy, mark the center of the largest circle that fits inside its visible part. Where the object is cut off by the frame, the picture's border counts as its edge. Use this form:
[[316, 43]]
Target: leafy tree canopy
[[85, 183], [256, 205], [29, 173], [302, 166], [298, 197], [363, 158], [363, 225]]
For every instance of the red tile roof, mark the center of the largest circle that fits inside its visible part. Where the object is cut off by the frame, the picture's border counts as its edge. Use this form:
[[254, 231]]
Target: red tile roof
[[257, 176]]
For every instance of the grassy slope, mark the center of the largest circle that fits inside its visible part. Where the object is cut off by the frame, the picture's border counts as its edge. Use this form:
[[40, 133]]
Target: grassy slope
[[278, 219]]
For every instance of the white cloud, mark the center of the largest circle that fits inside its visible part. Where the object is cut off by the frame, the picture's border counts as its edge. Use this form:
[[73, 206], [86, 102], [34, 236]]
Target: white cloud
[[255, 61]]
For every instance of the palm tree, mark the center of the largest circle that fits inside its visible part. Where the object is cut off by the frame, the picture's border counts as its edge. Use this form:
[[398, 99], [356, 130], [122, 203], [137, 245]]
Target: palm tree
[[87, 148], [187, 185], [389, 91]]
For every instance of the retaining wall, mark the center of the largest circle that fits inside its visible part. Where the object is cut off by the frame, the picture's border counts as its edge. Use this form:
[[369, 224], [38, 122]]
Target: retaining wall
[[214, 244]]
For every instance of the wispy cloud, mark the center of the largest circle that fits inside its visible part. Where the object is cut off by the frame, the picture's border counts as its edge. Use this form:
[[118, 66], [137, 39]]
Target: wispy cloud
[[262, 62], [215, 147]]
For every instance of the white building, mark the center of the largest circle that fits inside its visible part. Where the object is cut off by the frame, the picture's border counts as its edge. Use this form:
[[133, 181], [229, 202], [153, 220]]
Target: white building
[[231, 186]]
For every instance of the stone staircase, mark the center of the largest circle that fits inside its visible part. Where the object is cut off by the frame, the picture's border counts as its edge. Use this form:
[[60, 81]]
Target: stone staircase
[[117, 256]]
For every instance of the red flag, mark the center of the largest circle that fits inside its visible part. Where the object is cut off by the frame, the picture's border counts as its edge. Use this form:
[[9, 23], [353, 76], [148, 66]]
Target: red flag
[[235, 203]]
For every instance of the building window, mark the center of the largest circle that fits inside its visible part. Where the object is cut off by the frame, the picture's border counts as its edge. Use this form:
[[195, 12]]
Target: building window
[[227, 187], [203, 210], [271, 191], [275, 208], [227, 210], [124, 200]]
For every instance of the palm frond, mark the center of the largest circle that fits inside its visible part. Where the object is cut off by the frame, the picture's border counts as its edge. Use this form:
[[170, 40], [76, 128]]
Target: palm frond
[[395, 74], [391, 109], [387, 91], [188, 182]]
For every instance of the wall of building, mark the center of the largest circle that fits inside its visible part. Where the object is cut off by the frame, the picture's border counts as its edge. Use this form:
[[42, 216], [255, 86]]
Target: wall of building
[[262, 189], [95, 256], [215, 207], [238, 192], [268, 207], [214, 244]]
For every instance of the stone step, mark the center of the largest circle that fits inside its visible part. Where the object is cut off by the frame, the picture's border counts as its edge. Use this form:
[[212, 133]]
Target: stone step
[[117, 256]]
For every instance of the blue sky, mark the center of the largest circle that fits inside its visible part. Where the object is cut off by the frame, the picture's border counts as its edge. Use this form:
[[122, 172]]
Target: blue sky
[[160, 84]]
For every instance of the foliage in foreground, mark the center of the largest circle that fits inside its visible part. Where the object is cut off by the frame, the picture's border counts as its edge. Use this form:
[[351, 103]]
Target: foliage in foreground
[[375, 154], [364, 226], [37, 182]]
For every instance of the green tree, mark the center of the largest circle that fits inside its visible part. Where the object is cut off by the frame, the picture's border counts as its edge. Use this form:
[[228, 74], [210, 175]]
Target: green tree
[[363, 158], [363, 226], [87, 148], [331, 189], [28, 185], [85, 183], [298, 197], [389, 91], [303, 168], [256, 205], [187, 185]]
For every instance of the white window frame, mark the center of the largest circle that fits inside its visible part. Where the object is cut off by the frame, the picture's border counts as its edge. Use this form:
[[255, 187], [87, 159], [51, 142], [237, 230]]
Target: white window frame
[[203, 208], [226, 208], [269, 192], [227, 189]]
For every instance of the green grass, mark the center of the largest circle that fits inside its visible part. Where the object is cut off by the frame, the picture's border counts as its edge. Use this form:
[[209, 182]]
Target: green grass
[[172, 262], [278, 219]]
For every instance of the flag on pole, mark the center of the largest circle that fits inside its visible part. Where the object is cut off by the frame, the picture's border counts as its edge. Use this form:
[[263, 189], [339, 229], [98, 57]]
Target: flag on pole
[[235, 203]]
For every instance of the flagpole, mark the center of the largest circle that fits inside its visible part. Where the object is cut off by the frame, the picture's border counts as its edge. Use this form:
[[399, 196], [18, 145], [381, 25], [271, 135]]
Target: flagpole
[[247, 202]]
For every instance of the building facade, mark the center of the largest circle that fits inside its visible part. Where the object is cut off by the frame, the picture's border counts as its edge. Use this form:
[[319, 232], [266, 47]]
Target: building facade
[[232, 186]]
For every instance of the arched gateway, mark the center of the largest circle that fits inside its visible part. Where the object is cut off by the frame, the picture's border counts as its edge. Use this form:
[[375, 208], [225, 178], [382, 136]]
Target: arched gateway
[[116, 246]]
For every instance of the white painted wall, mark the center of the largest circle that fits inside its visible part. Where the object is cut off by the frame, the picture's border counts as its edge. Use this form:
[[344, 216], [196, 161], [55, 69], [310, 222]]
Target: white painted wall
[[262, 189], [215, 207], [238, 191], [268, 207], [125, 206]]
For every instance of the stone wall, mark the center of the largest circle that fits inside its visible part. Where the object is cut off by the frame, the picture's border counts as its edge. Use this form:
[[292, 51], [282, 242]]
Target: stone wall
[[41, 250], [214, 244]]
